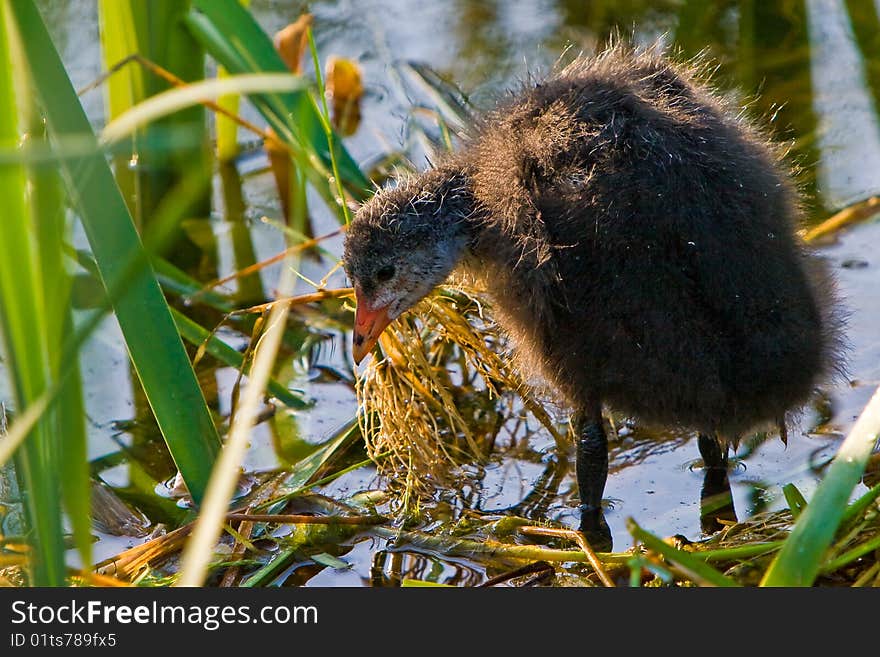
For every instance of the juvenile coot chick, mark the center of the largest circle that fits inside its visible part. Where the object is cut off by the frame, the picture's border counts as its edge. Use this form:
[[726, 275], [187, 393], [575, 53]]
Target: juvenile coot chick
[[637, 237]]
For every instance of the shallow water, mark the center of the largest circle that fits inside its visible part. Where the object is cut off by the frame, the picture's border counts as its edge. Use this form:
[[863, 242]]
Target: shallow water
[[809, 66]]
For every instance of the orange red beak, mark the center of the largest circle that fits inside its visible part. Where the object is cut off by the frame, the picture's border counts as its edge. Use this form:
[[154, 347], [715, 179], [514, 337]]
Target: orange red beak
[[368, 326]]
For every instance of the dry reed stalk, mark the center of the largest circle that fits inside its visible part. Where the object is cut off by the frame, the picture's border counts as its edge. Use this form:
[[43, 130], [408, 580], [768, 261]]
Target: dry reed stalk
[[582, 543], [849, 215], [131, 562]]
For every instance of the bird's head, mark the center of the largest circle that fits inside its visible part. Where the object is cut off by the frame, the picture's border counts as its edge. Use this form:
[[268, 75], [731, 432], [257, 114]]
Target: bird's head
[[400, 245]]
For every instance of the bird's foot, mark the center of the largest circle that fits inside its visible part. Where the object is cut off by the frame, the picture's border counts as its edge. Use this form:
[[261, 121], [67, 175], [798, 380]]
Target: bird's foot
[[595, 529]]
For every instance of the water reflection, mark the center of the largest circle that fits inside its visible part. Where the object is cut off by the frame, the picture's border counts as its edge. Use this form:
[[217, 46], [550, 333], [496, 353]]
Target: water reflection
[[391, 569], [848, 135]]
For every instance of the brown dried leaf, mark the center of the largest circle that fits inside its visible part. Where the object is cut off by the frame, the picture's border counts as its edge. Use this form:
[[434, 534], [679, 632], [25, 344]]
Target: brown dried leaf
[[292, 41], [344, 90]]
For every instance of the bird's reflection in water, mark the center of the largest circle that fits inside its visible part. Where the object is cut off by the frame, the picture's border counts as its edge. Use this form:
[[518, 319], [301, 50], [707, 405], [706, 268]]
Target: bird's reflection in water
[[532, 481], [552, 491], [716, 498]]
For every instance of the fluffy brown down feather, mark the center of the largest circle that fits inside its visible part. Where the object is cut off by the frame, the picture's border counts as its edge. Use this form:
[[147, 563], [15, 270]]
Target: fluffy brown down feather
[[638, 238]]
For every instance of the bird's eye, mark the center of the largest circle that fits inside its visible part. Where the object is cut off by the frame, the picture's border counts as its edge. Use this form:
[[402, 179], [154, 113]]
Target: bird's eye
[[385, 273]]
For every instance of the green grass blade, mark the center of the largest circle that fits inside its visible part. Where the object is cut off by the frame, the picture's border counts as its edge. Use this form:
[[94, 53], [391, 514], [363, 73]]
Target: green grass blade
[[74, 466], [197, 335], [324, 115], [695, 567], [155, 30], [857, 508], [151, 336], [71, 457], [800, 559], [25, 334], [229, 33], [273, 568], [302, 473], [795, 500], [849, 556], [226, 128], [119, 39], [178, 282]]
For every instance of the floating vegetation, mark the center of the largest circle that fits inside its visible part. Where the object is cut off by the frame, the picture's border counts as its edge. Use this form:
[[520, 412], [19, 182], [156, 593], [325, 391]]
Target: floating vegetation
[[263, 546], [435, 399]]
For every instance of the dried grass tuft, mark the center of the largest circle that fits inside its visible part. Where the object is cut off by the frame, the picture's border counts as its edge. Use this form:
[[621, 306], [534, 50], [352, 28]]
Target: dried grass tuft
[[417, 399]]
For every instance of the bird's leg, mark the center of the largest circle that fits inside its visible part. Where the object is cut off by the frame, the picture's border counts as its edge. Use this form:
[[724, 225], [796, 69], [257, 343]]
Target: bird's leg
[[592, 463], [713, 452], [592, 472], [716, 497]]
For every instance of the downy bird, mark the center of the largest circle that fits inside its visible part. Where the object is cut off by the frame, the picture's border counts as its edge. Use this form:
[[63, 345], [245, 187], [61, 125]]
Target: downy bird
[[636, 235]]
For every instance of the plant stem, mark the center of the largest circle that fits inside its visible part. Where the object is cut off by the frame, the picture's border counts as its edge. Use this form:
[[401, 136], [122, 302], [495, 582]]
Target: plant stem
[[328, 129]]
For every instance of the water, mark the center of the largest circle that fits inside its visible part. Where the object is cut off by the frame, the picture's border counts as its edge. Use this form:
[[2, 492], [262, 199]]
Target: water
[[807, 70]]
